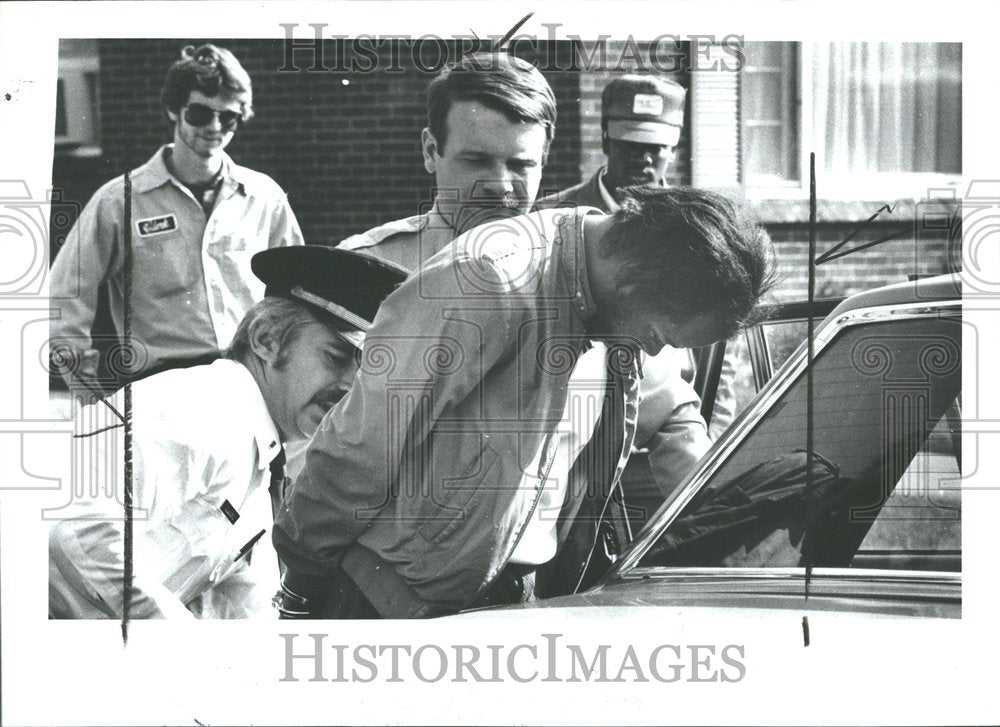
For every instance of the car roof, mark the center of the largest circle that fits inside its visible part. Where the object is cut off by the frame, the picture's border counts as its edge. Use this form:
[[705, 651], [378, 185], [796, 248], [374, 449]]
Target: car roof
[[940, 287]]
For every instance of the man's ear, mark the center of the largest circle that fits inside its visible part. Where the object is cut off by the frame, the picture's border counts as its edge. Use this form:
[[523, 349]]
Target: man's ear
[[264, 345], [605, 141], [172, 115], [627, 287], [625, 278], [430, 148]]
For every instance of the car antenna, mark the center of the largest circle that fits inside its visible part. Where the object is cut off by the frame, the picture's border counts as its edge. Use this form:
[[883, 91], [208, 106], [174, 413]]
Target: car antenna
[[508, 35], [127, 263], [810, 354]]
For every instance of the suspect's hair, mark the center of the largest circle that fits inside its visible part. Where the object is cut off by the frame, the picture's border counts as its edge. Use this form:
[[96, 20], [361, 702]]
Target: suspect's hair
[[693, 251]]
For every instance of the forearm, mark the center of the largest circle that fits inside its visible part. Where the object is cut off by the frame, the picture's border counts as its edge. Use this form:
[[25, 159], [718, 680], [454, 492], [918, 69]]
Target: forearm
[[89, 555], [82, 265], [676, 448], [329, 503]]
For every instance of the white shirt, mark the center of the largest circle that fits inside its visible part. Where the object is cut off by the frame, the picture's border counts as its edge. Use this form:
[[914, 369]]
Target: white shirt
[[202, 445], [584, 401]]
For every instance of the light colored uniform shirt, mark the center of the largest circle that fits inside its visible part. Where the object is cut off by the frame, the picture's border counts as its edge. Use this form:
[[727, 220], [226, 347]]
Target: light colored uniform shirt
[[200, 498], [419, 468], [671, 429], [192, 281], [670, 426], [411, 242], [408, 242]]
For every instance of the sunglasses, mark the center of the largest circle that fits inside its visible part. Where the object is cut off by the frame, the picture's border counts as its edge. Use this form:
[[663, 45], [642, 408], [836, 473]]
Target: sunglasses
[[198, 114]]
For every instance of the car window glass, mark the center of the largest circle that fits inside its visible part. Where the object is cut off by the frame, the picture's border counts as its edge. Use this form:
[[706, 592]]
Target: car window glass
[[782, 338], [881, 393], [921, 521], [736, 386]]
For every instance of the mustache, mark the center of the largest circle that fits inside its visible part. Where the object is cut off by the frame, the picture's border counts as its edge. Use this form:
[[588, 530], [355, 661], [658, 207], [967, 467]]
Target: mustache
[[508, 201], [487, 192], [329, 398]]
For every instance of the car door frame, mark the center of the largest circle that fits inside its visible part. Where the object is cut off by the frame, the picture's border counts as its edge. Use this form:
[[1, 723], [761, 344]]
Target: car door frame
[[709, 359]]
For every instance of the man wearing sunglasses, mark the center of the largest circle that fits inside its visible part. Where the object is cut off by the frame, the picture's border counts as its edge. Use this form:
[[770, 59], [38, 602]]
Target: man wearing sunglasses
[[197, 218]]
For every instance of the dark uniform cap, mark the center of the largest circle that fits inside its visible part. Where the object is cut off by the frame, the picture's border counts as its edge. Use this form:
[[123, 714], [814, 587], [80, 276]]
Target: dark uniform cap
[[644, 109], [345, 285]]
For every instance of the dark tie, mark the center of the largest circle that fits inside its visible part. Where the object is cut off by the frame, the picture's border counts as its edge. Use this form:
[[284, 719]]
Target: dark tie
[[593, 528], [279, 483], [623, 377]]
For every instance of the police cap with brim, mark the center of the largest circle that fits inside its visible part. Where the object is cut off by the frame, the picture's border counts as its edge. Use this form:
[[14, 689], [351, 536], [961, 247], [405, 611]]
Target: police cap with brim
[[344, 285], [644, 109]]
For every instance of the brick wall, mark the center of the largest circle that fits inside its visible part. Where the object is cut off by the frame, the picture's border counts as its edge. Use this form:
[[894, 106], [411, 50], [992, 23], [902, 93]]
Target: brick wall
[[592, 82], [345, 146], [918, 251]]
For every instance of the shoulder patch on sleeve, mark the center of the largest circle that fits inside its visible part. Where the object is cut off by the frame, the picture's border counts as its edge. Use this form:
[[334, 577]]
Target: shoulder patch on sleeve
[[383, 232]]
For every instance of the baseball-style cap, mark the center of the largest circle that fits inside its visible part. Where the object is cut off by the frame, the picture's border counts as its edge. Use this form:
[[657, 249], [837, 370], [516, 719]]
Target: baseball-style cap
[[644, 109], [345, 285]]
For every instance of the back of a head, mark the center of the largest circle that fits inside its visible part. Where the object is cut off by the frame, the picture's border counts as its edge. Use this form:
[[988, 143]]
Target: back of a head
[[211, 70], [497, 80], [692, 251]]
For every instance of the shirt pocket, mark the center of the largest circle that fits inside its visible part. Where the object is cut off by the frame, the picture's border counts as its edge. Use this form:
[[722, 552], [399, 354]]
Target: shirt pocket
[[233, 239], [184, 549], [239, 226], [454, 501], [165, 265]]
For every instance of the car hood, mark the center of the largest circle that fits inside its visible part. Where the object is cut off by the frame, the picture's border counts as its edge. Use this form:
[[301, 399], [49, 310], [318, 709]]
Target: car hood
[[874, 593]]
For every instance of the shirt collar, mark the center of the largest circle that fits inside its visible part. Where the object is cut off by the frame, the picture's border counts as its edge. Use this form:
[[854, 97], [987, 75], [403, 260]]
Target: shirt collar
[[435, 233], [574, 260], [609, 202], [265, 433], [435, 220], [155, 173]]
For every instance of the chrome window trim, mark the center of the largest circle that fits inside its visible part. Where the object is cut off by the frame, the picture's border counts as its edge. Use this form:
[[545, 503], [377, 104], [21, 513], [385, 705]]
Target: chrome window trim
[[751, 416], [790, 574]]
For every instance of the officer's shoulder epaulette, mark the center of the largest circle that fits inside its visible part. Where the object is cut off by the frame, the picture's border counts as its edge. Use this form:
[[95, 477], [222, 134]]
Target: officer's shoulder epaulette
[[384, 232]]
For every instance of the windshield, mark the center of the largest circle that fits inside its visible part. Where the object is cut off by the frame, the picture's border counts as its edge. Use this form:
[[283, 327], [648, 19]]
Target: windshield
[[880, 488]]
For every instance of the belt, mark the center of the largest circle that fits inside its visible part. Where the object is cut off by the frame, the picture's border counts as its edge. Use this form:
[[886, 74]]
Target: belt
[[384, 588]]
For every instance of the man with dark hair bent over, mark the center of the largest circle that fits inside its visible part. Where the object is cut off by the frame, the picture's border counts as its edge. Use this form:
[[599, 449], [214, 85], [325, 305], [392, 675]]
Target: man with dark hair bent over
[[490, 120], [454, 473]]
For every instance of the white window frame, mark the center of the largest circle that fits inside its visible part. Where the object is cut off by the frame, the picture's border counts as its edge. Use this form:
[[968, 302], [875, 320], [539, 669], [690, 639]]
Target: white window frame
[[841, 186], [81, 126]]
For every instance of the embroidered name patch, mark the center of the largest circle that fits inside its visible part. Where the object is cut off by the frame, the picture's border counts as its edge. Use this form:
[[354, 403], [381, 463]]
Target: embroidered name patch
[[157, 225], [647, 103], [230, 512]]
